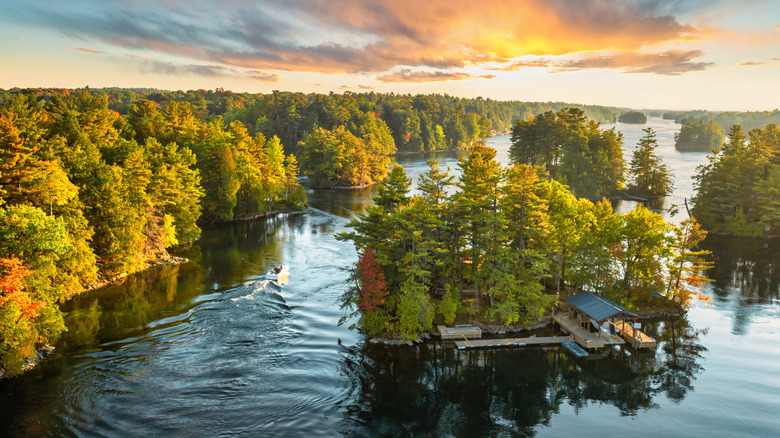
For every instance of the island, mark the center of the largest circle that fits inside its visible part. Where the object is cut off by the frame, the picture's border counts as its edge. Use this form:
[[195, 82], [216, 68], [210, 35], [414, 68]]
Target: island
[[505, 247]]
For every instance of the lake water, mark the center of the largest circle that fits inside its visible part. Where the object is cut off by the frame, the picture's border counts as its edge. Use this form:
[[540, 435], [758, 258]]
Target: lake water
[[210, 348]]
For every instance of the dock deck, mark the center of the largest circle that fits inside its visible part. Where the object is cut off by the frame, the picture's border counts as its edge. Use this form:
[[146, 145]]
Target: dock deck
[[583, 337], [459, 332], [628, 332], [510, 342]]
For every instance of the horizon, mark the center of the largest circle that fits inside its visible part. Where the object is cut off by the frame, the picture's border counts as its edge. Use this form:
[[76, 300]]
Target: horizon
[[652, 55]]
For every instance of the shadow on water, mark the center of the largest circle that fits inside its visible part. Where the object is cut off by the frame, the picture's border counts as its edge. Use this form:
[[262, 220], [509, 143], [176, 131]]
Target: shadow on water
[[410, 391]]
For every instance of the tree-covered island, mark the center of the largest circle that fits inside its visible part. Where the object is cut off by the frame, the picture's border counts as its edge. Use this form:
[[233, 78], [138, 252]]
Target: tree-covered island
[[634, 117], [514, 238]]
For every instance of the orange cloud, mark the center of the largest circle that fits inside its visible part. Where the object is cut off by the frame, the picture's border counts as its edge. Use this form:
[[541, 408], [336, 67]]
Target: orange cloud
[[90, 51], [368, 35], [671, 63], [758, 62], [407, 75]]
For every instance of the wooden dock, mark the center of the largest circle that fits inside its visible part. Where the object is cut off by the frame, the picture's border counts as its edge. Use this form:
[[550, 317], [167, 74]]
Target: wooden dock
[[583, 337], [459, 332], [611, 339], [628, 332], [510, 342]]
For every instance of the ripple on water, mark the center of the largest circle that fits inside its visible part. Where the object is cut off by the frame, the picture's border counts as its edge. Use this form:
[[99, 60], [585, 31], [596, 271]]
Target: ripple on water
[[236, 358]]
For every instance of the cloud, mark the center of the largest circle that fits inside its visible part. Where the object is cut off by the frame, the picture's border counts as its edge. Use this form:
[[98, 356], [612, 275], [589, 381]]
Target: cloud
[[751, 63], [206, 71], [17, 39], [407, 75], [353, 36], [90, 51], [758, 62], [671, 63]]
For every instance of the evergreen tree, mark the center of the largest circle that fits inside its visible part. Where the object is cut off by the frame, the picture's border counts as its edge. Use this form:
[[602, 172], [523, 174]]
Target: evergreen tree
[[649, 175]]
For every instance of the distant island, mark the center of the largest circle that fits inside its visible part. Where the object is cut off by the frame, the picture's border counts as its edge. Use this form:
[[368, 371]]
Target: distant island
[[699, 136], [634, 117]]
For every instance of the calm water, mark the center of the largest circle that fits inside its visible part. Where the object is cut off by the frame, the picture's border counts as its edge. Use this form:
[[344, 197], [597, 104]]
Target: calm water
[[209, 348]]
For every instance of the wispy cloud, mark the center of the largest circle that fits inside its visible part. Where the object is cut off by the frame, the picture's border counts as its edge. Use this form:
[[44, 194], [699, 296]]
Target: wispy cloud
[[90, 51], [407, 75], [17, 39], [758, 62], [361, 35], [752, 63], [671, 63], [151, 66]]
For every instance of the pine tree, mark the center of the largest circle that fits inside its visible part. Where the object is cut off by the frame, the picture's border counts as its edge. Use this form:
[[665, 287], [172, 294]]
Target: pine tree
[[649, 175]]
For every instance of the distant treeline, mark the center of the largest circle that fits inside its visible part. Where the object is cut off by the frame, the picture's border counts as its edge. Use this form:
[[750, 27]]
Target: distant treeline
[[747, 120], [417, 123]]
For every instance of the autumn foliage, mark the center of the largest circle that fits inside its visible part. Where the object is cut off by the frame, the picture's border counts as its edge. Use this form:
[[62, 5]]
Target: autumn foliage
[[18, 313], [373, 288]]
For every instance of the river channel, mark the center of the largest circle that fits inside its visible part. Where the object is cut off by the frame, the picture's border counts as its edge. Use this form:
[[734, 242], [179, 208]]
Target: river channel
[[211, 348]]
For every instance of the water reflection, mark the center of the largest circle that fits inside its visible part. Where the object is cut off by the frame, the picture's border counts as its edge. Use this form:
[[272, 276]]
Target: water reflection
[[511, 392], [744, 267]]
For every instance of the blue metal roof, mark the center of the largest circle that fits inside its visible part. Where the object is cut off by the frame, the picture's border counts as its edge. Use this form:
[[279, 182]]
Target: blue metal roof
[[596, 306]]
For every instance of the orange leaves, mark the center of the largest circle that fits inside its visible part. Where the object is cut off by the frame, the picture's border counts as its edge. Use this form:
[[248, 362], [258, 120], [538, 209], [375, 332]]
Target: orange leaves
[[373, 289], [12, 292]]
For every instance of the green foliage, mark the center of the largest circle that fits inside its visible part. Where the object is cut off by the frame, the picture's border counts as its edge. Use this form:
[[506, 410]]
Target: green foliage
[[339, 158], [687, 264], [736, 191], [449, 305], [635, 117], [747, 120], [88, 194], [699, 136], [573, 149], [649, 175], [31, 247], [514, 236]]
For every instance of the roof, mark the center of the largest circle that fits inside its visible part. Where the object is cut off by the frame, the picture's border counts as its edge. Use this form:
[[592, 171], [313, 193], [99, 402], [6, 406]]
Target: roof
[[597, 307]]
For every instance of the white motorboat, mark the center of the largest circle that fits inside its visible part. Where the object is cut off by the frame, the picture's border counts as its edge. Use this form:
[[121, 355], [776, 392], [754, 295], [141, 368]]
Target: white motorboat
[[278, 273]]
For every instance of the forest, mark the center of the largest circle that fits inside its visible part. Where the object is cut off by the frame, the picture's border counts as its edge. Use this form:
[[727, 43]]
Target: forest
[[88, 195], [738, 190], [575, 151], [514, 237], [96, 184]]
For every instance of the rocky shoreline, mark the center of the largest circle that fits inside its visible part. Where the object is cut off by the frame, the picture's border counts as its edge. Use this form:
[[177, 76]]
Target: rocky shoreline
[[499, 330]]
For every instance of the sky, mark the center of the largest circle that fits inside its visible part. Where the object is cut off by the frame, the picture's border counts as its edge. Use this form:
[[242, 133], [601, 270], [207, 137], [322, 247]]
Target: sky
[[663, 54]]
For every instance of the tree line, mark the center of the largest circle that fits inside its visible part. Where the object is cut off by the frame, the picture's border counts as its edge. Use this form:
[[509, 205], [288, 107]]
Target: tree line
[[385, 122], [575, 151], [87, 195], [513, 236], [738, 190]]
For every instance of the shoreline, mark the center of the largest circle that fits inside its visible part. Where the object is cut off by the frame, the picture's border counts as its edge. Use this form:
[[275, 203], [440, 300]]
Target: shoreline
[[45, 350], [253, 217], [500, 329]]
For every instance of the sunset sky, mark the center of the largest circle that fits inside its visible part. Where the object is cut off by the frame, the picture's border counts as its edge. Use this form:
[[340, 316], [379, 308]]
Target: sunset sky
[[692, 54]]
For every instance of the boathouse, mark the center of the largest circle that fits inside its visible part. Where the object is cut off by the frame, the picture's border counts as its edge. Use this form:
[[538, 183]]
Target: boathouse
[[588, 310]]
